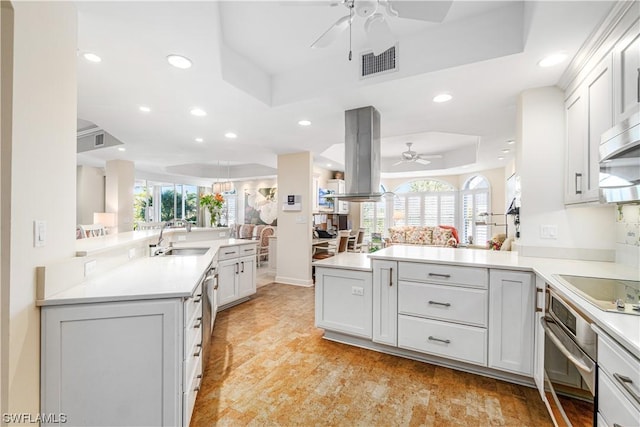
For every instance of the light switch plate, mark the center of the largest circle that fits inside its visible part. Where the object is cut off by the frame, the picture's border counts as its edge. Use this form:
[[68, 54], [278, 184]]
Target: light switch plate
[[39, 233]]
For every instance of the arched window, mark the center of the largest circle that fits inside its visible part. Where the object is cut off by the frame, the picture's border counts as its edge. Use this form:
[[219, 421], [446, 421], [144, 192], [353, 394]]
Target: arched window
[[424, 202], [475, 199]]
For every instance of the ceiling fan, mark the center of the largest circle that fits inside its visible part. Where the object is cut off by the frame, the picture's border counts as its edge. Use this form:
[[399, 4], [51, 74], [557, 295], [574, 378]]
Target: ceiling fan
[[410, 156], [377, 12]]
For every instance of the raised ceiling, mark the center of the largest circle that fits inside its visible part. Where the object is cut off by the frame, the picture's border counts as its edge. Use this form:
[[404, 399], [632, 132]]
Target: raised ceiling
[[255, 74]]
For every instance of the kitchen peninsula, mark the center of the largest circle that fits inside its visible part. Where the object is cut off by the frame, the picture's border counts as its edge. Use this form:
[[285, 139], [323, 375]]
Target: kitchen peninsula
[[473, 310], [125, 345]]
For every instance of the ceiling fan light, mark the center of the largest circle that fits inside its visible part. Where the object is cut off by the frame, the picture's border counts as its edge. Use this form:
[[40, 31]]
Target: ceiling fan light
[[378, 33]]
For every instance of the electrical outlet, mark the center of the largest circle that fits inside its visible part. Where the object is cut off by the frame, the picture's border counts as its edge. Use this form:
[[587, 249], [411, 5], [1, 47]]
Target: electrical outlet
[[357, 290], [89, 267], [549, 231]]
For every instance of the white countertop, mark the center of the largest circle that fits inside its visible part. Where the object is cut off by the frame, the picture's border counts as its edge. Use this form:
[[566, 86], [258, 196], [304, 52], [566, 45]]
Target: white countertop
[[147, 277], [624, 328]]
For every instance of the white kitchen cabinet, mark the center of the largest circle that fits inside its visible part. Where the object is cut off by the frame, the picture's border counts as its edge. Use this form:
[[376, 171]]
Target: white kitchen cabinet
[[589, 113], [115, 363], [344, 301], [618, 383], [385, 302], [337, 186], [538, 359], [511, 316], [236, 275], [626, 66]]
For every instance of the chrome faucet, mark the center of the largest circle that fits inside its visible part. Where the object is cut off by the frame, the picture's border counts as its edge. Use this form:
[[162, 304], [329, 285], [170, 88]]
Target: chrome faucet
[[160, 238]]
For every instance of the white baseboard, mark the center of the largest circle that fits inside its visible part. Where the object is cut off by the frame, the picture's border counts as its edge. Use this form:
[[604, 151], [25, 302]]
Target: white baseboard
[[294, 281]]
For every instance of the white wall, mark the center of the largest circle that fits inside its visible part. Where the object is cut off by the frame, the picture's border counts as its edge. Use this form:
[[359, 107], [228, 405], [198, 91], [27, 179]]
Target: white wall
[[585, 232], [295, 173], [43, 177], [89, 193], [6, 107], [118, 193]]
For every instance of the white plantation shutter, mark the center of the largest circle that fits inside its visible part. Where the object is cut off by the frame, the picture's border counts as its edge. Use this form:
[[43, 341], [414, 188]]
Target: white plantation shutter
[[475, 198], [481, 205], [399, 208], [372, 218], [467, 217], [431, 208], [231, 202], [413, 215], [447, 210]]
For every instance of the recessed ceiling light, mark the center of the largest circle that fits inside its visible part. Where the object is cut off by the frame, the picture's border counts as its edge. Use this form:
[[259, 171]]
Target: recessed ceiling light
[[304, 123], [506, 150], [179, 61], [198, 112], [230, 135], [199, 140], [500, 158], [122, 149], [553, 59], [511, 142], [144, 109], [443, 97], [92, 57]]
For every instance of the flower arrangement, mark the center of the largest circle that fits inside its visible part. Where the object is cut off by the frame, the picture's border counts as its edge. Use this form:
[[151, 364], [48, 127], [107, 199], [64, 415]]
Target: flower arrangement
[[213, 203]]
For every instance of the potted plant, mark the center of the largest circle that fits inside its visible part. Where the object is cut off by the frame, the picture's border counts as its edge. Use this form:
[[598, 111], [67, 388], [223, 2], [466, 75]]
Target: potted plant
[[213, 203]]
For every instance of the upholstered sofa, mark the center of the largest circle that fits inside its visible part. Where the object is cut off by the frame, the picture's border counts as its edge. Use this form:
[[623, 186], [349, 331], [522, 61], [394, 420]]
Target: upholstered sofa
[[423, 235]]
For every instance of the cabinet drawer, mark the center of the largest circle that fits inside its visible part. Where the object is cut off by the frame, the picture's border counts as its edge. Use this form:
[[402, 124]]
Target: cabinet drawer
[[228, 252], [613, 406], [438, 273], [192, 361], [460, 342], [463, 305], [192, 333], [246, 250], [615, 361], [193, 305], [189, 396]]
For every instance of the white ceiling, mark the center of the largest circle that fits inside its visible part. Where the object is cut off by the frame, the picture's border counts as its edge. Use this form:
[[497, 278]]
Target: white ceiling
[[256, 75]]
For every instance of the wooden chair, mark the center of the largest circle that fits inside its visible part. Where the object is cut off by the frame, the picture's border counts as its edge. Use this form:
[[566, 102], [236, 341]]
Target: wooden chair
[[92, 230], [336, 246], [356, 244], [263, 243]]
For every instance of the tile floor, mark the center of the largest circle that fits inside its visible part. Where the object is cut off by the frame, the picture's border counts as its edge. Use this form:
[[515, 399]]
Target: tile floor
[[270, 366]]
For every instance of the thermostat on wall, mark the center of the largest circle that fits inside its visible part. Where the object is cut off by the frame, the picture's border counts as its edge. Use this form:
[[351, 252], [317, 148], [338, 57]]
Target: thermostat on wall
[[292, 203]]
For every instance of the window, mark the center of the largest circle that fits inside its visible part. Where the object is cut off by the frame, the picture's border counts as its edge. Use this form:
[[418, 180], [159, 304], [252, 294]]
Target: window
[[475, 196], [372, 218], [424, 202], [230, 207], [176, 201]]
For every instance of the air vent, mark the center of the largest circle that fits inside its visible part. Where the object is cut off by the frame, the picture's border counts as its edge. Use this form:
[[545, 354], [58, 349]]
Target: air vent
[[99, 141], [377, 64]]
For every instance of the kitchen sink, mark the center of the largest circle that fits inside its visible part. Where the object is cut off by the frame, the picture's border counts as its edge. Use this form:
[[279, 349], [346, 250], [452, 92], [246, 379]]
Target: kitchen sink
[[185, 251]]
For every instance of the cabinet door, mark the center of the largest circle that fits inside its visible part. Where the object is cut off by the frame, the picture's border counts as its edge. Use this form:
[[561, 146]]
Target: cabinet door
[[344, 301], [247, 276], [117, 364], [626, 57], [538, 360], [600, 119], [576, 117], [385, 302], [511, 313], [228, 271]]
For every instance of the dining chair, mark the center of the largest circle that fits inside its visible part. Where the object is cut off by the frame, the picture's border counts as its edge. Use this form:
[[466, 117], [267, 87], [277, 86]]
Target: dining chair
[[263, 243], [355, 245], [336, 246]]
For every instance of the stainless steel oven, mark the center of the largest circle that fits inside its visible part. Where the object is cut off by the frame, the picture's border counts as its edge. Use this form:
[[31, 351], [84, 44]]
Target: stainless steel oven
[[570, 368]]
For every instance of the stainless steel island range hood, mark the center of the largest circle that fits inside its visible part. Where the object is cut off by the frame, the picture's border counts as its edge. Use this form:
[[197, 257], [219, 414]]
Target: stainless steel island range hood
[[362, 155]]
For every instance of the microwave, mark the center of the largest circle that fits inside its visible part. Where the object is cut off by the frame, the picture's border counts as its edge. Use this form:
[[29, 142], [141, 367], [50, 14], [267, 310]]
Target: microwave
[[620, 162]]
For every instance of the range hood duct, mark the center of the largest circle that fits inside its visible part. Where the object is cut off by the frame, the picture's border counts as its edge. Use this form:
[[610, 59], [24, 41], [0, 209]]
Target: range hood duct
[[362, 155]]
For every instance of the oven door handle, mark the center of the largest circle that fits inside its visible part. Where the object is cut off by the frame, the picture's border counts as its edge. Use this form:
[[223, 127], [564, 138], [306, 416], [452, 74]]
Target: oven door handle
[[567, 346]]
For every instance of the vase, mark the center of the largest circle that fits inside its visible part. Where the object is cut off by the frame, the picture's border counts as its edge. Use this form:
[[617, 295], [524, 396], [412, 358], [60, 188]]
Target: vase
[[214, 217]]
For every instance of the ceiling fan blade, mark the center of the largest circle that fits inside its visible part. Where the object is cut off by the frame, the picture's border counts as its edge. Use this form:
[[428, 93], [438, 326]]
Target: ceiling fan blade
[[422, 161], [398, 163], [432, 11], [378, 33], [332, 33], [429, 156]]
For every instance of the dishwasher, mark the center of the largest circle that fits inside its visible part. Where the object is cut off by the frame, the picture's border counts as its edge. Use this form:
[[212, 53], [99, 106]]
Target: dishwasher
[[209, 308]]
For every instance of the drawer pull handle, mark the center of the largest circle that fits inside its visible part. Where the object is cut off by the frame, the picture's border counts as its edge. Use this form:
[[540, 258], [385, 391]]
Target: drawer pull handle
[[390, 276], [626, 384], [616, 425], [197, 388], [439, 340], [229, 253], [445, 276], [248, 250], [197, 353], [578, 186], [199, 376], [197, 300], [197, 325], [446, 304]]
